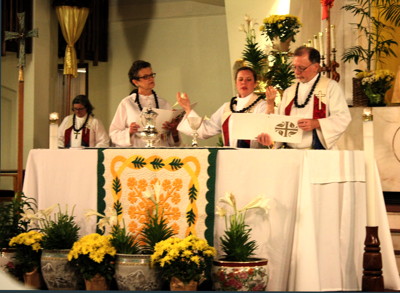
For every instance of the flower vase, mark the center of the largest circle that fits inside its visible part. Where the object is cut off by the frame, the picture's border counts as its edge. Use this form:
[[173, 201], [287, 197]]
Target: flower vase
[[249, 275], [278, 45], [97, 283], [178, 285], [376, 100], [33, 279]]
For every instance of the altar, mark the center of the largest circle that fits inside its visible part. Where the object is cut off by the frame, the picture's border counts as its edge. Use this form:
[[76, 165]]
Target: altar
[[313, 234]]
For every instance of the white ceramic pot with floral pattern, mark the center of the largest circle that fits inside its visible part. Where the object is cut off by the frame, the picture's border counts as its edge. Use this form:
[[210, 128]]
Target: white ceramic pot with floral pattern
[[250, 275]]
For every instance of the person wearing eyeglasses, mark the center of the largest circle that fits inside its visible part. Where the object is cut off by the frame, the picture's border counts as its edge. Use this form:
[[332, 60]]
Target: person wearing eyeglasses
[[124, 126], [318, 101], [246, 101], [82, 129]]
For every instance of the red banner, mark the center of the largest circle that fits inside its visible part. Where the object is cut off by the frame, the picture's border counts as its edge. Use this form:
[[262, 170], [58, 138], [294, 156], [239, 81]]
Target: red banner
[[326, 5]]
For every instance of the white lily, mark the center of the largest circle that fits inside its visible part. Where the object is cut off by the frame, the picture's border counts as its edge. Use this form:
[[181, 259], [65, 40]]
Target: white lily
[[157, 190], [255, 203], [47, 212], [147, 194], [221, 211], [30, 216], [89, 213], [265, 205], [229, 199]]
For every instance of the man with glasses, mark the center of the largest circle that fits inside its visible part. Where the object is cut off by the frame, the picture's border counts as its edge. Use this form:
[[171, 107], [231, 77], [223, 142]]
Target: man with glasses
[[125, 125], [317, 100]]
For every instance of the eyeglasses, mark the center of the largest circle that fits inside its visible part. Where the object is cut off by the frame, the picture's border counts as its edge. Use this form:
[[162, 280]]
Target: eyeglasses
[[148, 76], [78, 109], [300, 68]]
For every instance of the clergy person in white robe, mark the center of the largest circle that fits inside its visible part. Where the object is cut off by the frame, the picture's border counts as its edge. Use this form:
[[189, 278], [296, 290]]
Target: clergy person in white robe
[[125, 126], [318, 101], [82, 129], [246, 101]]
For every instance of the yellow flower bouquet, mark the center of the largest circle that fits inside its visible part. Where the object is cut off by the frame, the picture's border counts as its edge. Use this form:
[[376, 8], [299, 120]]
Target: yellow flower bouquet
[[28, 250], [280, 26], [93, 254], [186, 259]]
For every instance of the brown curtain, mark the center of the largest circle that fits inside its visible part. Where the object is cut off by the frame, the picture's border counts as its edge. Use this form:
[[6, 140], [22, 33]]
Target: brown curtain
[[72, 20]]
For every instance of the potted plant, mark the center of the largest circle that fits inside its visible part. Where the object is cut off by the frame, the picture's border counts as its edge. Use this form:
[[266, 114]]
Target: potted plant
[[238, 269], [183, 262], [377, 34], [93, 256], [60, 232], [27, 256], [132, 265]]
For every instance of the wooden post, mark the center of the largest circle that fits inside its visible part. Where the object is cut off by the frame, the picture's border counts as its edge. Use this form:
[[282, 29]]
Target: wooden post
[[372, 279], [20, 155]]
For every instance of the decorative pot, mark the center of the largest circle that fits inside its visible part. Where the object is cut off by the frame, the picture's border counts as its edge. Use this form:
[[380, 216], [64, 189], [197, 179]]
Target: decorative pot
[[57, 272], [133, 272], [177, 285], [33, 279], [7, 259], [281, 46], [97, 283], [240, 276]]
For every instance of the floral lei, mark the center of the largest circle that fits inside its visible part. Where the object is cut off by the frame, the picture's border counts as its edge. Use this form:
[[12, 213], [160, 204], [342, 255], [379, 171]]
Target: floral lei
[[234, 102], [136, 91]]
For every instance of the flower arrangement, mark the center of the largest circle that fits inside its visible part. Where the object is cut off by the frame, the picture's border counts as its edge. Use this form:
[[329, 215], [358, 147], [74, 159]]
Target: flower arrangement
[[283, 27], [375, 84], [93, 254], [28, 250], [186, 259], [235, 242]]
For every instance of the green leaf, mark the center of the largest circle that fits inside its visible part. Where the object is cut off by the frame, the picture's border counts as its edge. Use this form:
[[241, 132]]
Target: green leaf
[[192, 193], [157, 163], [176, 164], [190, 217], [116, 185], [139, 162]]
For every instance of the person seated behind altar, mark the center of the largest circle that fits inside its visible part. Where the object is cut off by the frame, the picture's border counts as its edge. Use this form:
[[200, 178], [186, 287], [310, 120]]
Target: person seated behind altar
[[82, 129], [124, 126], [246, 101], [318, 101]]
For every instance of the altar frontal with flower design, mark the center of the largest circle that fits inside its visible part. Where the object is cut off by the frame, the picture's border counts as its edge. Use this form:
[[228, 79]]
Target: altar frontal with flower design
[[186, 196]]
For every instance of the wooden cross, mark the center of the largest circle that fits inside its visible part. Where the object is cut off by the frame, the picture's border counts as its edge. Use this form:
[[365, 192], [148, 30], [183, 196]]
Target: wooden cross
[[21, 35]]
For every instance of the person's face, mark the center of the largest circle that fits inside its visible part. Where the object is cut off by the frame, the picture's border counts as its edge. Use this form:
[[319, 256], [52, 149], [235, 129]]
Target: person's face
[[146, 79], [245, 83], [79, 110], [303, 69]]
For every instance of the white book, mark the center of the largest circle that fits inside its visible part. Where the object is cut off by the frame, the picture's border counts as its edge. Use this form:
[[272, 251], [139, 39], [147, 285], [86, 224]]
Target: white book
[[281, 128]]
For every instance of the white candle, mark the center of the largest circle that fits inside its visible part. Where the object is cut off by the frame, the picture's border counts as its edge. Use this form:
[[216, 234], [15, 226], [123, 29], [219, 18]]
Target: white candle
[[53, 131], [321, 43], [333, 43], [368, 140], [315, 41]]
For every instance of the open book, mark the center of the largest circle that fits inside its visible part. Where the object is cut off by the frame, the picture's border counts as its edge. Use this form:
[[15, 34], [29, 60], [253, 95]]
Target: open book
[[280, 127]]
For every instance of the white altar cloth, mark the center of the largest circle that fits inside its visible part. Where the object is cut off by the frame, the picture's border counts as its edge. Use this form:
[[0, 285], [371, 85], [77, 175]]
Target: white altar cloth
[[313, 235]]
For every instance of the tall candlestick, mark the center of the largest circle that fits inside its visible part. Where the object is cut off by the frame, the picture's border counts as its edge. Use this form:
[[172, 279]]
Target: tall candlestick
[[321, 43], [333, 42], [368, 140], [53, 131], [315, 42]]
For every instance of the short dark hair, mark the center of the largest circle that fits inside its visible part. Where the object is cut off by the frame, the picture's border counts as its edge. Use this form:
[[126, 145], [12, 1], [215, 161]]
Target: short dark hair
[[313, 54], [243, 68], [83, 100], [134, 70]]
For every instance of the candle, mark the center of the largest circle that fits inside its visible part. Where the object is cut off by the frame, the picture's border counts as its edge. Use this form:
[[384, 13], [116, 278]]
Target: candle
[[315, 41], [321, 43], [53, 131], [368, 140], [309, 43], [333, 43]]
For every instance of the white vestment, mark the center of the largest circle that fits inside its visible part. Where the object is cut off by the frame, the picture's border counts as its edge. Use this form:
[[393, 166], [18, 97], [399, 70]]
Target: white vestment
[[98, 136], [127, 112], [337, 118], [213, 126]]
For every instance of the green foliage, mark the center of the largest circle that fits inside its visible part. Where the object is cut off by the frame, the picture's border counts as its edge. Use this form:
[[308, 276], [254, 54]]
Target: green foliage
[[11, 218], [254, 56], [280, 74], [281, 26], [117, 185], [235, 242], [139, 162], [157, 163], [155, 230], [124, 241], [61, 232], [373, 30], [176, 164]]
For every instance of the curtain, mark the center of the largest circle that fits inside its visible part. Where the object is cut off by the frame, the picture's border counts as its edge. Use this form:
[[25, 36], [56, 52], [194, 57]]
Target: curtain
[[72, 20]]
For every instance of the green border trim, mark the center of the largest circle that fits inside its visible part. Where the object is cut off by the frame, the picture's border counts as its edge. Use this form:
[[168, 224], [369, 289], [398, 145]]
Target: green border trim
[[210, 196], [101, 192]]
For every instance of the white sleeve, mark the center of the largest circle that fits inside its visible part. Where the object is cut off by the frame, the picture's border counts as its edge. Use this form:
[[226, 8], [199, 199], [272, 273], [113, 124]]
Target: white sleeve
[[102, 140], [119, 130], [61, 133]]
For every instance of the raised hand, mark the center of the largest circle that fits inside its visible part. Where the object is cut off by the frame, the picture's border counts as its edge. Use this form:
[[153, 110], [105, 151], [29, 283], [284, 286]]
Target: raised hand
[[184, 102]]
